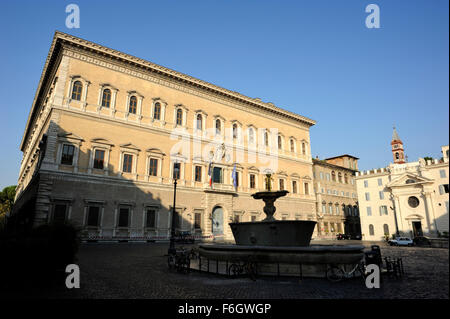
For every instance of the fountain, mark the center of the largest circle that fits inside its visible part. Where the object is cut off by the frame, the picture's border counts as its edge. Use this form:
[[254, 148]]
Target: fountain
[[270, 242]]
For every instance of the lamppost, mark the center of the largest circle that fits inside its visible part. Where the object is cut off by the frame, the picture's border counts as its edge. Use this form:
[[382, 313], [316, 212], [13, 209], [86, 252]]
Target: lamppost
[[176, 172]]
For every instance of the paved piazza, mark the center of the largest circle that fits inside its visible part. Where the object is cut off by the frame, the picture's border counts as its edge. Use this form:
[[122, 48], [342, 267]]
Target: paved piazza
[[134, 270]]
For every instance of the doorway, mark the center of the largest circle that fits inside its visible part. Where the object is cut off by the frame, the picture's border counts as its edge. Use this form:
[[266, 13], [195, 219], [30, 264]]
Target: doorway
[[417, 229], [217, 221]]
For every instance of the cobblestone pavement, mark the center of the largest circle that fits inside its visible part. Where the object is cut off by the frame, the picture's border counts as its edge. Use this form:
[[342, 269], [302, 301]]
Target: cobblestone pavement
[[133, 270]]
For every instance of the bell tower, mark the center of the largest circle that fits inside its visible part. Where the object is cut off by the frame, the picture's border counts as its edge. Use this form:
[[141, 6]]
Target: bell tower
[[397, 148]]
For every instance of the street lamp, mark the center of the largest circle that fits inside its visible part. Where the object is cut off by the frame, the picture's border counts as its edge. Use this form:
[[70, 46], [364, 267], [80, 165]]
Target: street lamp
[[176, 172]]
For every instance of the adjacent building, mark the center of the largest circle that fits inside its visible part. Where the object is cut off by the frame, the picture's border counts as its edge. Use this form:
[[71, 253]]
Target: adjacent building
[[404, 198], [109, 133], [336, 197]]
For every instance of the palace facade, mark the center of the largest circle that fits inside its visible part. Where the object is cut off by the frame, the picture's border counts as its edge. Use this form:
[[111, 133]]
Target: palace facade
[[108, 133], [337, 200], [404, 198]]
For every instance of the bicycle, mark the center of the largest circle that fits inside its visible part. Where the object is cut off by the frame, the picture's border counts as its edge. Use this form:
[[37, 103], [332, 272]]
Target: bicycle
[[249, 267], [180, 260], [336, 274]]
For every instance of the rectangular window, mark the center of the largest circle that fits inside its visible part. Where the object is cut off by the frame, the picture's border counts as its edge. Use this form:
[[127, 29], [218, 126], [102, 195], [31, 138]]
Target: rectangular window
[[367, 196], [442, 173], [321, 175], [127, 163], [198, 173], [150, 218], [383, 210], [324, 209], [330, 209], [380, 182], [253, 218], [325, 227], [281, 184], [381, 194], [198, 221], [294, 187], [306, 189], [252, 181], [327, 175], [369, 211], [124, 214], [217, 175], [337, 209], [153, 169], [59, 213], [237, 178], [67, 154], [93, 219], [99, 159], [237, 218], [176, 170], [366, 184]]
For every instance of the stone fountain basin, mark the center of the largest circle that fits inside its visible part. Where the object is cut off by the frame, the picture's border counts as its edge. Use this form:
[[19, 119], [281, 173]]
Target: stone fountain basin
[[273, 233]]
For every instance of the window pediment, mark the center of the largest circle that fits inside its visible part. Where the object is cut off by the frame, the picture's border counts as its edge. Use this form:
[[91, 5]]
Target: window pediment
[[69, 136], [155, 151], [130, 146], [100, 140]]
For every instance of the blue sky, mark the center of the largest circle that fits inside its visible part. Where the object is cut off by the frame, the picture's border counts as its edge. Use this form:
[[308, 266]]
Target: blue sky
[[315, 58]]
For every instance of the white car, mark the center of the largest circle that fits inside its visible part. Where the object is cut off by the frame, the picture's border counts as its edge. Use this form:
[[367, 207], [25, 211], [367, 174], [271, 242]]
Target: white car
[[401, 241]]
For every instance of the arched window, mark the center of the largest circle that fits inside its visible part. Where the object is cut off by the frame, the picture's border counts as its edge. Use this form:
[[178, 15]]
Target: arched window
[[235, 130], [157, 111], [133, 105], [396, 155], [106, 98], [179, 117], [292, 146], [340, 177], [355, 211], [76, 90], [218, 127], [303, 148], [266, 138], [344, 210], [199, 122], [345, 178], [371, 230], [333, 176], [386, 229], [251, 136], [280, 144]]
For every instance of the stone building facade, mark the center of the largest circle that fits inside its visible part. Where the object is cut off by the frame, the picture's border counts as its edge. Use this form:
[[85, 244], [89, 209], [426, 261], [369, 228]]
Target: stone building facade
[[404, 198], [336, 198], [108, 133]]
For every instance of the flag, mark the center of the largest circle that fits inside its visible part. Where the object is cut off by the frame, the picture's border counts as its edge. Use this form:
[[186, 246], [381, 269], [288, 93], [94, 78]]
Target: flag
[[233, 176], [210, 174]]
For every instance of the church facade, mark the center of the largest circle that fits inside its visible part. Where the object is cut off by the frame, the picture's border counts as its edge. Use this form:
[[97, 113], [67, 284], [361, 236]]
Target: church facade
[[404, 198], [108, 134]]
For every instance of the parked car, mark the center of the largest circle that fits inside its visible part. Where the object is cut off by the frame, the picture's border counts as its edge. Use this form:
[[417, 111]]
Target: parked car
[[422, 241], [401, 241], [342, 236]]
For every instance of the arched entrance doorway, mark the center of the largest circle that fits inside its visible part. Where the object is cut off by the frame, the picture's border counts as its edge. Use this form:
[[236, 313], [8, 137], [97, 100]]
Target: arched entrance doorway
[[217, 221]]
